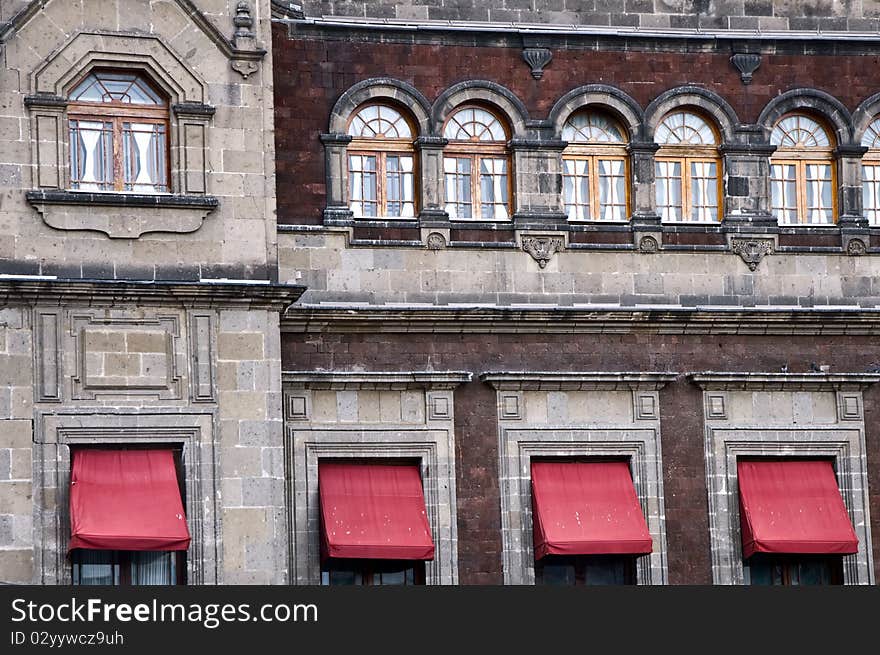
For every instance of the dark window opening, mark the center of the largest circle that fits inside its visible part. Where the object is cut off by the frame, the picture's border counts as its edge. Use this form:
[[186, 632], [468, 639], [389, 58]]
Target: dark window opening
[[367, 572], [562, 570], [794, 570]]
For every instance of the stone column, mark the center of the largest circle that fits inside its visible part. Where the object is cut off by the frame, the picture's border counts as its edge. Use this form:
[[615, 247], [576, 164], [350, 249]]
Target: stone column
[[746, 171], [432, 212], [645, 221], [851, 219], [336, 176], [537, 169]]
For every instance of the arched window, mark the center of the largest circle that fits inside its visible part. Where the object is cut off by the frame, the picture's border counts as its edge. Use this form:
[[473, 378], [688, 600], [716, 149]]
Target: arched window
[[118, 134], [594, 168], [802, 171], [381, 179], [871, 173], [687, 169], [476, 166]]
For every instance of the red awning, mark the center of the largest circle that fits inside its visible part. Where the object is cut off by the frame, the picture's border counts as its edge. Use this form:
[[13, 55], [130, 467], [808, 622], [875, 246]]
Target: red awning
[[792, 506], [586, 508], [373, 511], [126, 500]]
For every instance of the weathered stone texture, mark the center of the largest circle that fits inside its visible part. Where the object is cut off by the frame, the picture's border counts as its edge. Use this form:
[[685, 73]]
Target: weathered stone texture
[[712, 14]]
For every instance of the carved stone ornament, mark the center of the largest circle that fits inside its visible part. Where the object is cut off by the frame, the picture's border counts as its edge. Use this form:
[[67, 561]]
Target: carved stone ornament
[[537, 59], [856, 247], [752, 251], [435, 241], [648, 245], [542, 248], [746, 64]]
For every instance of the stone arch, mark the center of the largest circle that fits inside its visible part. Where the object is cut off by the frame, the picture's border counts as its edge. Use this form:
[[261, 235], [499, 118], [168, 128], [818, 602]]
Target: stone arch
[[143, 53], [605, 97], [825, 105], [378, 88], [502, 99], [713, 106], [864, 115]]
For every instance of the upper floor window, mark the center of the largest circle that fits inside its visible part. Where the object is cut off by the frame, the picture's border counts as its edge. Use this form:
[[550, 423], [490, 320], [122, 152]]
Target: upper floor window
[[381, 177], [687, 168], [118, 134], [871, 173], [594, 168], [802, 171], [476, 166]]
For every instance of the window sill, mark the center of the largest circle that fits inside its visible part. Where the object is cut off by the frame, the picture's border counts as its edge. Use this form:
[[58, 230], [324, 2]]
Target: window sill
[[121, 215]]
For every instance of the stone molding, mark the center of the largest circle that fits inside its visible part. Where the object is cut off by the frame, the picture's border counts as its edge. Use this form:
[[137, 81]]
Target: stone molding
[[358, 380], [723, 381], [24, 291], [582, 381]]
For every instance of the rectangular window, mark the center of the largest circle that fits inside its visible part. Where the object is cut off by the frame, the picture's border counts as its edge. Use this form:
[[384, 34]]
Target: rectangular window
[[122, 567], [143, 160], [458, 186], [793, 570], [561, 570], [612, 189], [802, 192], [704, 191], [669, 190], [871, 192], [576, 183], [91, 155], [783, 196], [373, 573], [399, 186], [493, 188], [362, 185], [819, 191]]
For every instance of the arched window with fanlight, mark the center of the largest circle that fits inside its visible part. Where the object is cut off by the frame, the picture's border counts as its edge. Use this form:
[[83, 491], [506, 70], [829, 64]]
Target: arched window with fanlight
[[476, 166], [594, 165], [687, 169], [118, 134], [802, 171], [381, 164], [871, 173]]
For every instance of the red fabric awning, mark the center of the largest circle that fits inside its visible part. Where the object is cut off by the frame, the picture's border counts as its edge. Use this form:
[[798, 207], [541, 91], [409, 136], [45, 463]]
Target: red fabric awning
[[792, 506], [586, 508], [373, 511], [126, 500]]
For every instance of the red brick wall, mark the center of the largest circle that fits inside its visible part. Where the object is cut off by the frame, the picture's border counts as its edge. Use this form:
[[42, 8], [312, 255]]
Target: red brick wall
[[681, 412], [310, 75]]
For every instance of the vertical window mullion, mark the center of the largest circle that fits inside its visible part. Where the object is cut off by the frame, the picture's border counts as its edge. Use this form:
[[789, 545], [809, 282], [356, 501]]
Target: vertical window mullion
[[476, 188], [381, 183], [595, 206], [118, 163], [687, 200]]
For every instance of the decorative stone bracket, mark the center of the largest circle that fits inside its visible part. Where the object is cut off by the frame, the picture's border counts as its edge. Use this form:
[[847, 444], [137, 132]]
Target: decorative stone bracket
[[537, 59], [751, 250], [746, 64], [542, 248]]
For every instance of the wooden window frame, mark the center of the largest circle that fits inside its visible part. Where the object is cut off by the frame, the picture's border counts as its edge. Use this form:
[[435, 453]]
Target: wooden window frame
[[117, 113], [476, 151], [800, 159], [685, 156], [593, 154], [380, 147], [872, 159]]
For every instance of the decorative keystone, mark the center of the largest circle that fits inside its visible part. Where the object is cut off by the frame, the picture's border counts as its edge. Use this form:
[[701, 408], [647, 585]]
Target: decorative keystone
[[537, 59], [746, 64], [752, 251], [542, 248]]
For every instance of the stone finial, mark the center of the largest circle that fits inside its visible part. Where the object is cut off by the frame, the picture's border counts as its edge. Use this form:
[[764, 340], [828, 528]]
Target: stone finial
[[537, 59], [752, 251], [243, 21], [542, 248], [746, 64]]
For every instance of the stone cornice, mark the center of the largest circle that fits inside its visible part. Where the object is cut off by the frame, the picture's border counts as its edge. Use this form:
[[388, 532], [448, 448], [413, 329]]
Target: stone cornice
[[392, 381], [726, 381], [583, 381], [30, 291], [567, 320]]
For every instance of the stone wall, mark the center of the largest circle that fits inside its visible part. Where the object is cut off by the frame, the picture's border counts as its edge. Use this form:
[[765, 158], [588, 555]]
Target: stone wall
[[219, 221], [855, 15], [509, 347]]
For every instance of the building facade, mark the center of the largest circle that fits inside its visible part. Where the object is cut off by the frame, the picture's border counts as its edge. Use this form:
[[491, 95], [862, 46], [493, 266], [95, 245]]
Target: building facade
[[466, 241]]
